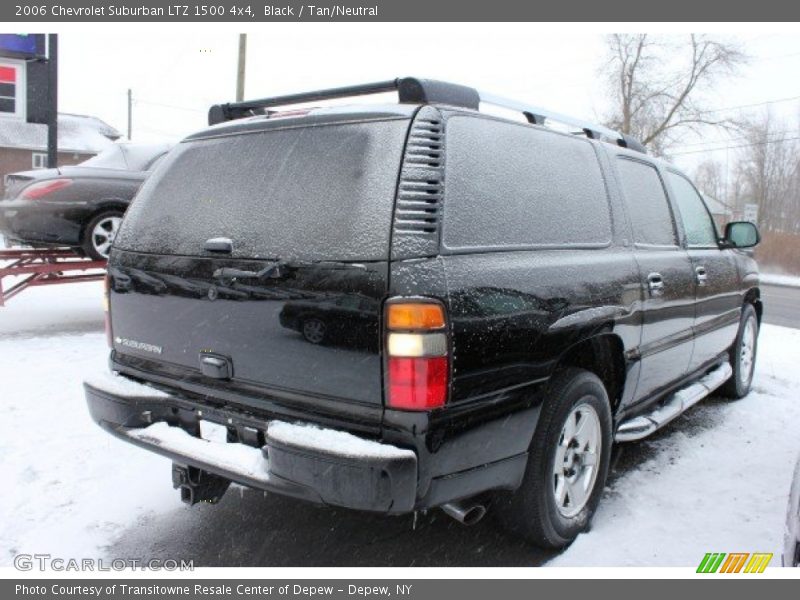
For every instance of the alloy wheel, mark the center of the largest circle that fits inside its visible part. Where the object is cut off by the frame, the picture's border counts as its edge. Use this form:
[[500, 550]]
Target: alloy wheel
[[104, 233], [747, 348], [576, 460]]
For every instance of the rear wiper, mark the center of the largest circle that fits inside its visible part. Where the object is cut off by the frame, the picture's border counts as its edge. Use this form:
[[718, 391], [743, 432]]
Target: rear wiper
[[281, 268]]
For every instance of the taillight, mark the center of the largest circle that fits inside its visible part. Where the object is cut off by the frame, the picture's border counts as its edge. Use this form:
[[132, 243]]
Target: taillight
[[417, 355], [43, 188], [106, 309]]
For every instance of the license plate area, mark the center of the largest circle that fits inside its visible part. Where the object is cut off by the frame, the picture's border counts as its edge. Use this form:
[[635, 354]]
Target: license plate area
[[222, 434]]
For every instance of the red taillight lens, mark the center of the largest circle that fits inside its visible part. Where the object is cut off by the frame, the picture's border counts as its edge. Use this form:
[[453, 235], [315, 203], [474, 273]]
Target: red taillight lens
[[417, 383], [418, 370], [43, 188]]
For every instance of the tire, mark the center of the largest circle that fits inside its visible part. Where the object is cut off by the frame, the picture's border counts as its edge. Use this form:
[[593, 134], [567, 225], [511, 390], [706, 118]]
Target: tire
[[314, 330], [99, 234], [536, 511], [743, 356]]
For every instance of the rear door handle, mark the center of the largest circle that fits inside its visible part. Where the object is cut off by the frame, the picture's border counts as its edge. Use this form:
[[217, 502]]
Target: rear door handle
[[655, 283], [701, 275]]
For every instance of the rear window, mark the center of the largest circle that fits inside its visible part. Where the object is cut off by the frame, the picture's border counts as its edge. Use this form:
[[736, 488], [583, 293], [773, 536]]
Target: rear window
[[511, 185], [314, 193]]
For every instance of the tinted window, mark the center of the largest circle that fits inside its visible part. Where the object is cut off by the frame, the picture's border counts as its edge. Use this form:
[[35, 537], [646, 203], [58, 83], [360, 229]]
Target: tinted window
[[314, 193], [697, 223], [512, 185], [647, 203]]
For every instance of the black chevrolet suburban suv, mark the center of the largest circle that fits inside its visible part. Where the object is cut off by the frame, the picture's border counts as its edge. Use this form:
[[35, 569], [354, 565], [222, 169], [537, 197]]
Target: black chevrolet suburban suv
[[400, 307]]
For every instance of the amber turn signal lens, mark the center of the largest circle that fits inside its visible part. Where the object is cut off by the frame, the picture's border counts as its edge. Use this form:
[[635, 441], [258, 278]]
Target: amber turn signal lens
[[414, 315]]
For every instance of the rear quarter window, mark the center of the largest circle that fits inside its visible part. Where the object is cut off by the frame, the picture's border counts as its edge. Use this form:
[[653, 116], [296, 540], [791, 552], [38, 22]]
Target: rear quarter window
[[512, 186]]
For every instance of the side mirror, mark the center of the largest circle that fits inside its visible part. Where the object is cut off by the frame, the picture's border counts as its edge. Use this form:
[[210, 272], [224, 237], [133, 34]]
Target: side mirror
[[741, 234]]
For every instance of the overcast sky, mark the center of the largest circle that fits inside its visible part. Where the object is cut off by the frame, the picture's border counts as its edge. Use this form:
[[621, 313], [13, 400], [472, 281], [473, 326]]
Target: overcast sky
[[176, 74]]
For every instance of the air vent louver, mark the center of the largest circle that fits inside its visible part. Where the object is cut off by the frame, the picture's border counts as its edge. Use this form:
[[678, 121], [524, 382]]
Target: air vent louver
[[421, 188]]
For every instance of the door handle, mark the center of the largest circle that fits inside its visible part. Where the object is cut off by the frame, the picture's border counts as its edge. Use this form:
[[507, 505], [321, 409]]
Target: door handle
[[655, 283], [701, 275]]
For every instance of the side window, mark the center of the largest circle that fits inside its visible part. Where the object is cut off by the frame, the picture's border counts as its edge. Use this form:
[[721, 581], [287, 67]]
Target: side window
[[700, 230], [511, 185], [647, 203]]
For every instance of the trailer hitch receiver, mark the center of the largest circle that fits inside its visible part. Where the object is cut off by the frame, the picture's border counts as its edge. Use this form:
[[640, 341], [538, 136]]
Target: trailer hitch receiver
[[196, 485]]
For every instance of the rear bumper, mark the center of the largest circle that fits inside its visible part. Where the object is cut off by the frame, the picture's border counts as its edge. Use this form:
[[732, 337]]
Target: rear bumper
[[321, 465]]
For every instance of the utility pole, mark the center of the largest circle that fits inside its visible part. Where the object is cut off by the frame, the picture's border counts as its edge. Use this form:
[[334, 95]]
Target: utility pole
[[240, 69], [52, 93], [130, 114]]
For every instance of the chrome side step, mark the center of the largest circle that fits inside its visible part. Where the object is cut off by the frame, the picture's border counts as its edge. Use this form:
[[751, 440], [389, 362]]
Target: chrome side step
[[679, 402]]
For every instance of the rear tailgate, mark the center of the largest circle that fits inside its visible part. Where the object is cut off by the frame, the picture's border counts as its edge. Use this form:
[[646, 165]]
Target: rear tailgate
[[292, 313]]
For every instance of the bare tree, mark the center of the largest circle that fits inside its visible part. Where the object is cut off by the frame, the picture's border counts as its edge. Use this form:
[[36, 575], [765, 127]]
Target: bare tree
[[709, 177], [769, 171], [657, 84]]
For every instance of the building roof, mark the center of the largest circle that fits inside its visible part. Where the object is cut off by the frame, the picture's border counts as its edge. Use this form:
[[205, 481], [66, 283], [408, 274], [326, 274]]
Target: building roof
[[76, 133]]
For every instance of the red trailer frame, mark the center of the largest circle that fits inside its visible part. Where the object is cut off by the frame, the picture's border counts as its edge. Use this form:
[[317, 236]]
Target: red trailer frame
[[48, 266]]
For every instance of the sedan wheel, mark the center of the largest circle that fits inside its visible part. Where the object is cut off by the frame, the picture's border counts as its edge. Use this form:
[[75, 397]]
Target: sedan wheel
[[100, 235], [314, 331]]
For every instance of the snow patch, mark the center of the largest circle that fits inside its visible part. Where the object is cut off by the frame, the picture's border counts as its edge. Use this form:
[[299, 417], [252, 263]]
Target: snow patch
[[332, 441], [236, 458], [116, 384]]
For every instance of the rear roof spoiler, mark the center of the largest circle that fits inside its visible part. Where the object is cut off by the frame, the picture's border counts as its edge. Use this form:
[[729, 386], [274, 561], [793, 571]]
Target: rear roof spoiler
[[411, 90]]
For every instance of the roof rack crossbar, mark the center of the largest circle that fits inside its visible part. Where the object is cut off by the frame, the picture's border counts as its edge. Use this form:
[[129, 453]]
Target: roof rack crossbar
[[412, 90], [237, 110]]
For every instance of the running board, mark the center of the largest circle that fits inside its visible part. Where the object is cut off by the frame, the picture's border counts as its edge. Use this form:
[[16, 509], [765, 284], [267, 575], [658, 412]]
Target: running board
[[676, 404]]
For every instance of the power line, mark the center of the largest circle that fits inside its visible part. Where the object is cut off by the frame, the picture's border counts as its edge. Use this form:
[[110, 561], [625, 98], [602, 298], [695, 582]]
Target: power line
[[754, 105], [751, 145], [731, 139]]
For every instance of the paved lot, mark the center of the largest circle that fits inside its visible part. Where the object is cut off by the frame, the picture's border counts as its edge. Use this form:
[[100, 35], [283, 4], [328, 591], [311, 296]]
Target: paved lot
[[781, 305]]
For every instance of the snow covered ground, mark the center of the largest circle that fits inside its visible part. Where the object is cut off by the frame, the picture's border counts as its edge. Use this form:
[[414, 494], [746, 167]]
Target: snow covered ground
[[716, 480], [71, 487]]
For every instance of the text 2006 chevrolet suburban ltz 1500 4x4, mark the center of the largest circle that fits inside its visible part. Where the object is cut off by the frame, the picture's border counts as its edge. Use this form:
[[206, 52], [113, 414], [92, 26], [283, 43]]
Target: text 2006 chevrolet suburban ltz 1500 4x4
[[399, 307]]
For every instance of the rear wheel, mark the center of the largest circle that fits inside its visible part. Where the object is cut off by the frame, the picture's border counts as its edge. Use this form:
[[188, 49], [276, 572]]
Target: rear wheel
[[567, 464], [100, 233], [743, 355]]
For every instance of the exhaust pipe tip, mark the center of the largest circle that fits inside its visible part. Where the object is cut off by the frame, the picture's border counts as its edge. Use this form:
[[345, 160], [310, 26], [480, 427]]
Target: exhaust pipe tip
[[466, 514]]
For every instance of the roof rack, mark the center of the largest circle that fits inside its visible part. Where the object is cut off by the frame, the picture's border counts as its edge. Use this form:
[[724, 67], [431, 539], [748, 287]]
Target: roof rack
[[412, 90]]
